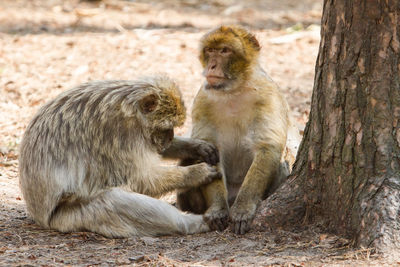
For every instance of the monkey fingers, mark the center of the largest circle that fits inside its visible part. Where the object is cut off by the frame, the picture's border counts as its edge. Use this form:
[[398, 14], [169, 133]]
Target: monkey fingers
[[214, 174], [207, 152], [202, 173]]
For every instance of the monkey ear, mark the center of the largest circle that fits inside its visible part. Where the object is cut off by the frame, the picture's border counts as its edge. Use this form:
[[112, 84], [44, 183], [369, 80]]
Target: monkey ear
[[254, 42], [148, 103]]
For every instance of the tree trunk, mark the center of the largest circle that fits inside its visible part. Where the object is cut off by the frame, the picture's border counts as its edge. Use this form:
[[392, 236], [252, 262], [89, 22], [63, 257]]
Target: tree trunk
[[347, 171]]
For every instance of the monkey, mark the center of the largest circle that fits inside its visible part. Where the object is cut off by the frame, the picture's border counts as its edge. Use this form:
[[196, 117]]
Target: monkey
[[241, 111], [90, 160]]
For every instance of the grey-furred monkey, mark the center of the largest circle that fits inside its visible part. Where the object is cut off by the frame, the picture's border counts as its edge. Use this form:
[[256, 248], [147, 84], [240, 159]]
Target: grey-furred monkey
[[90, 156], [241, 111]]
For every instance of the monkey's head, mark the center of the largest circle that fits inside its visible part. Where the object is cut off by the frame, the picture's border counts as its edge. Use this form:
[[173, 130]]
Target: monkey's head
[[161, 108], [228, 54]]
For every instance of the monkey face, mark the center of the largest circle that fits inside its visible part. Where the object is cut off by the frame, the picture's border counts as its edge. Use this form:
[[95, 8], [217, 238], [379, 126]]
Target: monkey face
[[217, 69], [224, 68], [227, 55], [162, 138]]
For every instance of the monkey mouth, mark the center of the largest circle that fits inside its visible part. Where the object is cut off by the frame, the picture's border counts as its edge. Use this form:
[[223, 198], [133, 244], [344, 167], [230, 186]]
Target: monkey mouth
[[215, 80]]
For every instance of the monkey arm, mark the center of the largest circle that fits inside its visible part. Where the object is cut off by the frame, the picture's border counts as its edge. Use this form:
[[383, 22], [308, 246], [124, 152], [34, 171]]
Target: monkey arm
[[168, 178], [196, 149], [259, 177]]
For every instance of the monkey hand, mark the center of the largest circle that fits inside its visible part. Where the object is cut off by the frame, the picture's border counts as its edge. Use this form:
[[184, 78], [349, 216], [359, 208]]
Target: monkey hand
[[217, 217], [202, 173], [204, 151], [242, 215]]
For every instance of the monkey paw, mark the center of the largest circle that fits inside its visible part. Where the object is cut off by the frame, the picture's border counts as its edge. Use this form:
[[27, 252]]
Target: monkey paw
[[202, 173], [217, 218], [205, 151], [242, 216]]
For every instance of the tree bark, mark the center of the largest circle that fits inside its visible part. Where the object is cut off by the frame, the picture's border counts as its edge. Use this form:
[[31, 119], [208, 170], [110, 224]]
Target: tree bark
[[347, 169]]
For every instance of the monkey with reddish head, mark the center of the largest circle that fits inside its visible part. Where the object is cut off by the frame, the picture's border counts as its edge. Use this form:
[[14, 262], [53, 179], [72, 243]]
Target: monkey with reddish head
[[241, 111], [90, 157]]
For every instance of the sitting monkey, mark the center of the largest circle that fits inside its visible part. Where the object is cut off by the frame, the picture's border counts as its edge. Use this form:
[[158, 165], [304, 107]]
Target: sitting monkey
[[88, 157], [241, 111]]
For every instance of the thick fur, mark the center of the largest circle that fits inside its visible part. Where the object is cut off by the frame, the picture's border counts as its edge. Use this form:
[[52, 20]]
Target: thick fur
[[246, 118], [87, 151]]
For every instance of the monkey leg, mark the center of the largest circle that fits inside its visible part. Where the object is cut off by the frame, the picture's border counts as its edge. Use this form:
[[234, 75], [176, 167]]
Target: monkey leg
[[281, 177], [118, 213], [209, 200], [217, 214], [191, 200]]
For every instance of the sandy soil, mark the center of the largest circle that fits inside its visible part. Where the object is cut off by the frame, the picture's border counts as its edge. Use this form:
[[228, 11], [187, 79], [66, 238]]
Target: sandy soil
[[49, 46]]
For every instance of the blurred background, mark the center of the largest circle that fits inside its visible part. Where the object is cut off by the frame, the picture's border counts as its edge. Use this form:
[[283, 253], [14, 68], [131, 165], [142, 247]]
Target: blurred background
[[48, 46]]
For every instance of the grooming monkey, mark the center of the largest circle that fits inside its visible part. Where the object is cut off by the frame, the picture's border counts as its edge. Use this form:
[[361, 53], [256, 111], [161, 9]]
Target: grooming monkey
[[241, 111], [89, 156]]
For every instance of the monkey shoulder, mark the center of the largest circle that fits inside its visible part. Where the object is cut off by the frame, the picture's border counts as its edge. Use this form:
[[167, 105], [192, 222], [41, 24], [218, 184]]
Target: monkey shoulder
[[271, 100]]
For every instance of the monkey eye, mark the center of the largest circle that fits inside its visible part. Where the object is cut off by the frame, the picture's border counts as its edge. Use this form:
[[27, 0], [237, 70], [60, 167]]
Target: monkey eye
[[208, 50], [225, 50]]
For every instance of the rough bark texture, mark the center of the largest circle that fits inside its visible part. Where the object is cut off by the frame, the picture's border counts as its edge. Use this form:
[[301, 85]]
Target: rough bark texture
[[347, 170]]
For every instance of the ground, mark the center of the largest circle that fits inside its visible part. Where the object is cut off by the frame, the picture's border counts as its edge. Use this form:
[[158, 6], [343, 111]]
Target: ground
[[49, 46]]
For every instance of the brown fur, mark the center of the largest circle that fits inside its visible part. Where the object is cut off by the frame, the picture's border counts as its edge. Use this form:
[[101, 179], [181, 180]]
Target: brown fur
[[241, 111]]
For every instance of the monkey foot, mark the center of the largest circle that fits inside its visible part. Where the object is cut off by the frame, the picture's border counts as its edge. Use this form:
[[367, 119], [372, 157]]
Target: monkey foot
[[217, 218], [242, 217]]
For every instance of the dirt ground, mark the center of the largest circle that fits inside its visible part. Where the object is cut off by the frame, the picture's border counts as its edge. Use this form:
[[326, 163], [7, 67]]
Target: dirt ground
[[49, 46]]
